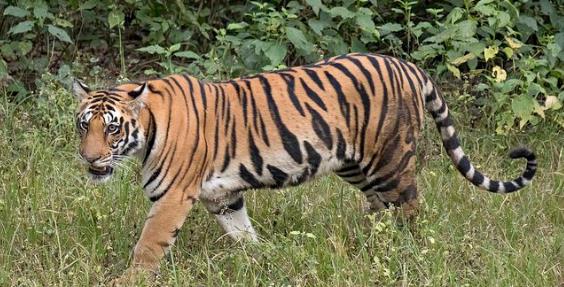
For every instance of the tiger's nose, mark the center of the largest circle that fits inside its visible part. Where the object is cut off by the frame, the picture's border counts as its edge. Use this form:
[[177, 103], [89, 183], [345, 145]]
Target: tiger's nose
[[90, 158]]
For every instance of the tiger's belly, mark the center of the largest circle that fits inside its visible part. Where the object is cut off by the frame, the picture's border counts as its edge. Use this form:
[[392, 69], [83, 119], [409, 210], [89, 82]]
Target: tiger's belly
[[276, 171]]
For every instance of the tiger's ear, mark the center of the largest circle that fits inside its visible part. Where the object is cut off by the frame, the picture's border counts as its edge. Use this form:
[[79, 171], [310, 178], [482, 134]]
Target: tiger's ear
[[79, 89], [139, 96]]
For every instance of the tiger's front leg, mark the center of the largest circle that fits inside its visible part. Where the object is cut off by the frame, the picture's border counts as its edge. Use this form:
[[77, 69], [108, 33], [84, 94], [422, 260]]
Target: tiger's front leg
[[161, 228], [231, 214]]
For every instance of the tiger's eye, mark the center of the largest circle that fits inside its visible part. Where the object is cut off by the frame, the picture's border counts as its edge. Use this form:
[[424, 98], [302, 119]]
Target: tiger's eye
[[112, 128]]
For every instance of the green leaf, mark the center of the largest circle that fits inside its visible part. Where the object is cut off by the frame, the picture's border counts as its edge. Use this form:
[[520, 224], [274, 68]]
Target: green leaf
[[174, 48], [490, 52], [454, 70], [22, 27], [59, 33], [466, 29], [24, 47], [528, 21], [153, 49], [523, 107], [365, 23], [316, 6], [534, 89], [15, 11], [116, 18], [455, 15], [508, 52], [503, 19], [276, 53], [298, 39], [463, 59], [389, 28], [187, 55], [237, 26], [41, 10], [508, 86], [317, 25], [63, 23], [484, 9], [341, 12], [88, 4]]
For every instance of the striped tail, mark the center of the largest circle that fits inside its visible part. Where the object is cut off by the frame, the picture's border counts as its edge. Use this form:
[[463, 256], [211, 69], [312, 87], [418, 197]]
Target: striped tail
[[436, 105]]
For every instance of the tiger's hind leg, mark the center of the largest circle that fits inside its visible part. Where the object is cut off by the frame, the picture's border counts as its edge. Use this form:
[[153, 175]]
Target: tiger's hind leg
[[394, 184], [233, 218], [353, 175], [386, 186]]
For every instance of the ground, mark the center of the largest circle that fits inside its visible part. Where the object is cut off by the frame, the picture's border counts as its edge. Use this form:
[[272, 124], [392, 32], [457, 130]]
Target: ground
[[56, 229]]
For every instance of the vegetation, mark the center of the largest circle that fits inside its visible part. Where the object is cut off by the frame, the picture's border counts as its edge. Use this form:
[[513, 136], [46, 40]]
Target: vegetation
[[507, 55], [500, 61]]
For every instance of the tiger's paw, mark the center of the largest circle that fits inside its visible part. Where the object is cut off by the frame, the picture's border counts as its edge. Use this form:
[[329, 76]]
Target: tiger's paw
[[135, 276]]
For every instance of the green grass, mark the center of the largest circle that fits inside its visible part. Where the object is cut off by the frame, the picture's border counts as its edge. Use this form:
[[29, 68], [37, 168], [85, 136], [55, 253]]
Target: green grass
[[58, 230]]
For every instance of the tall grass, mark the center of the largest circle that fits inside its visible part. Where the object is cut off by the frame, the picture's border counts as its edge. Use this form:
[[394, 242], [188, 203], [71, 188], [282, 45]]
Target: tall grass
[[58, 230]]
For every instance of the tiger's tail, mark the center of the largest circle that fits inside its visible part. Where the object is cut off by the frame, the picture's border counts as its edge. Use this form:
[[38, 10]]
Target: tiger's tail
[[436, 105]]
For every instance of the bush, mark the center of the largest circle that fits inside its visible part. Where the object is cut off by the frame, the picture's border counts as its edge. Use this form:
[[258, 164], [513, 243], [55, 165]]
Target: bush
[[508, 54]]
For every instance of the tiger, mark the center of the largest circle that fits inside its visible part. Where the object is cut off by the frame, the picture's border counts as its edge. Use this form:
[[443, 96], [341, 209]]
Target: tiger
[[357, 115]]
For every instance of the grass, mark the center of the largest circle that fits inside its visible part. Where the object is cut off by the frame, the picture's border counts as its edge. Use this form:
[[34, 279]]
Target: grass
[[58, 230]]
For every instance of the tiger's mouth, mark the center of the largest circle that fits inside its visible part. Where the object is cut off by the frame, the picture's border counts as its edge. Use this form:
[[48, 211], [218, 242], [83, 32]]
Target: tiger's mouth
[[100, 174]]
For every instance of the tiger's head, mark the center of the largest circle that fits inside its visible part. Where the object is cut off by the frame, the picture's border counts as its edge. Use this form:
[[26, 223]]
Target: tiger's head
[[109, 127]]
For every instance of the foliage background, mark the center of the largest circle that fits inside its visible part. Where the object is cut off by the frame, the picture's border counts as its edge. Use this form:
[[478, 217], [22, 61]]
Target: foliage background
[[504, 58]]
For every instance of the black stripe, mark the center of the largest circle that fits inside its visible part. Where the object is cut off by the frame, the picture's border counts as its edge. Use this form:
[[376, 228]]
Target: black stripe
[[291, 87], [365, 103], [278, 175], [151, 136], [289, 140], [216, 139], [203, 95], [342, 99], [226, 159], [247, 176], [313, 158], [155, 174], [464, 165], [156, 197], [313, 75], [233, 142], [384, 107], [509, 187], [397, 170], [348, 168], [451, 143], [494, 185], [245, 105], [237, 205], [254, 152], [389, 186], [529, 173], [264, 132], [478, 178], [386, 155], [313, 95], [445, 123], [321, 127], [341, 145], [366, 73]]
